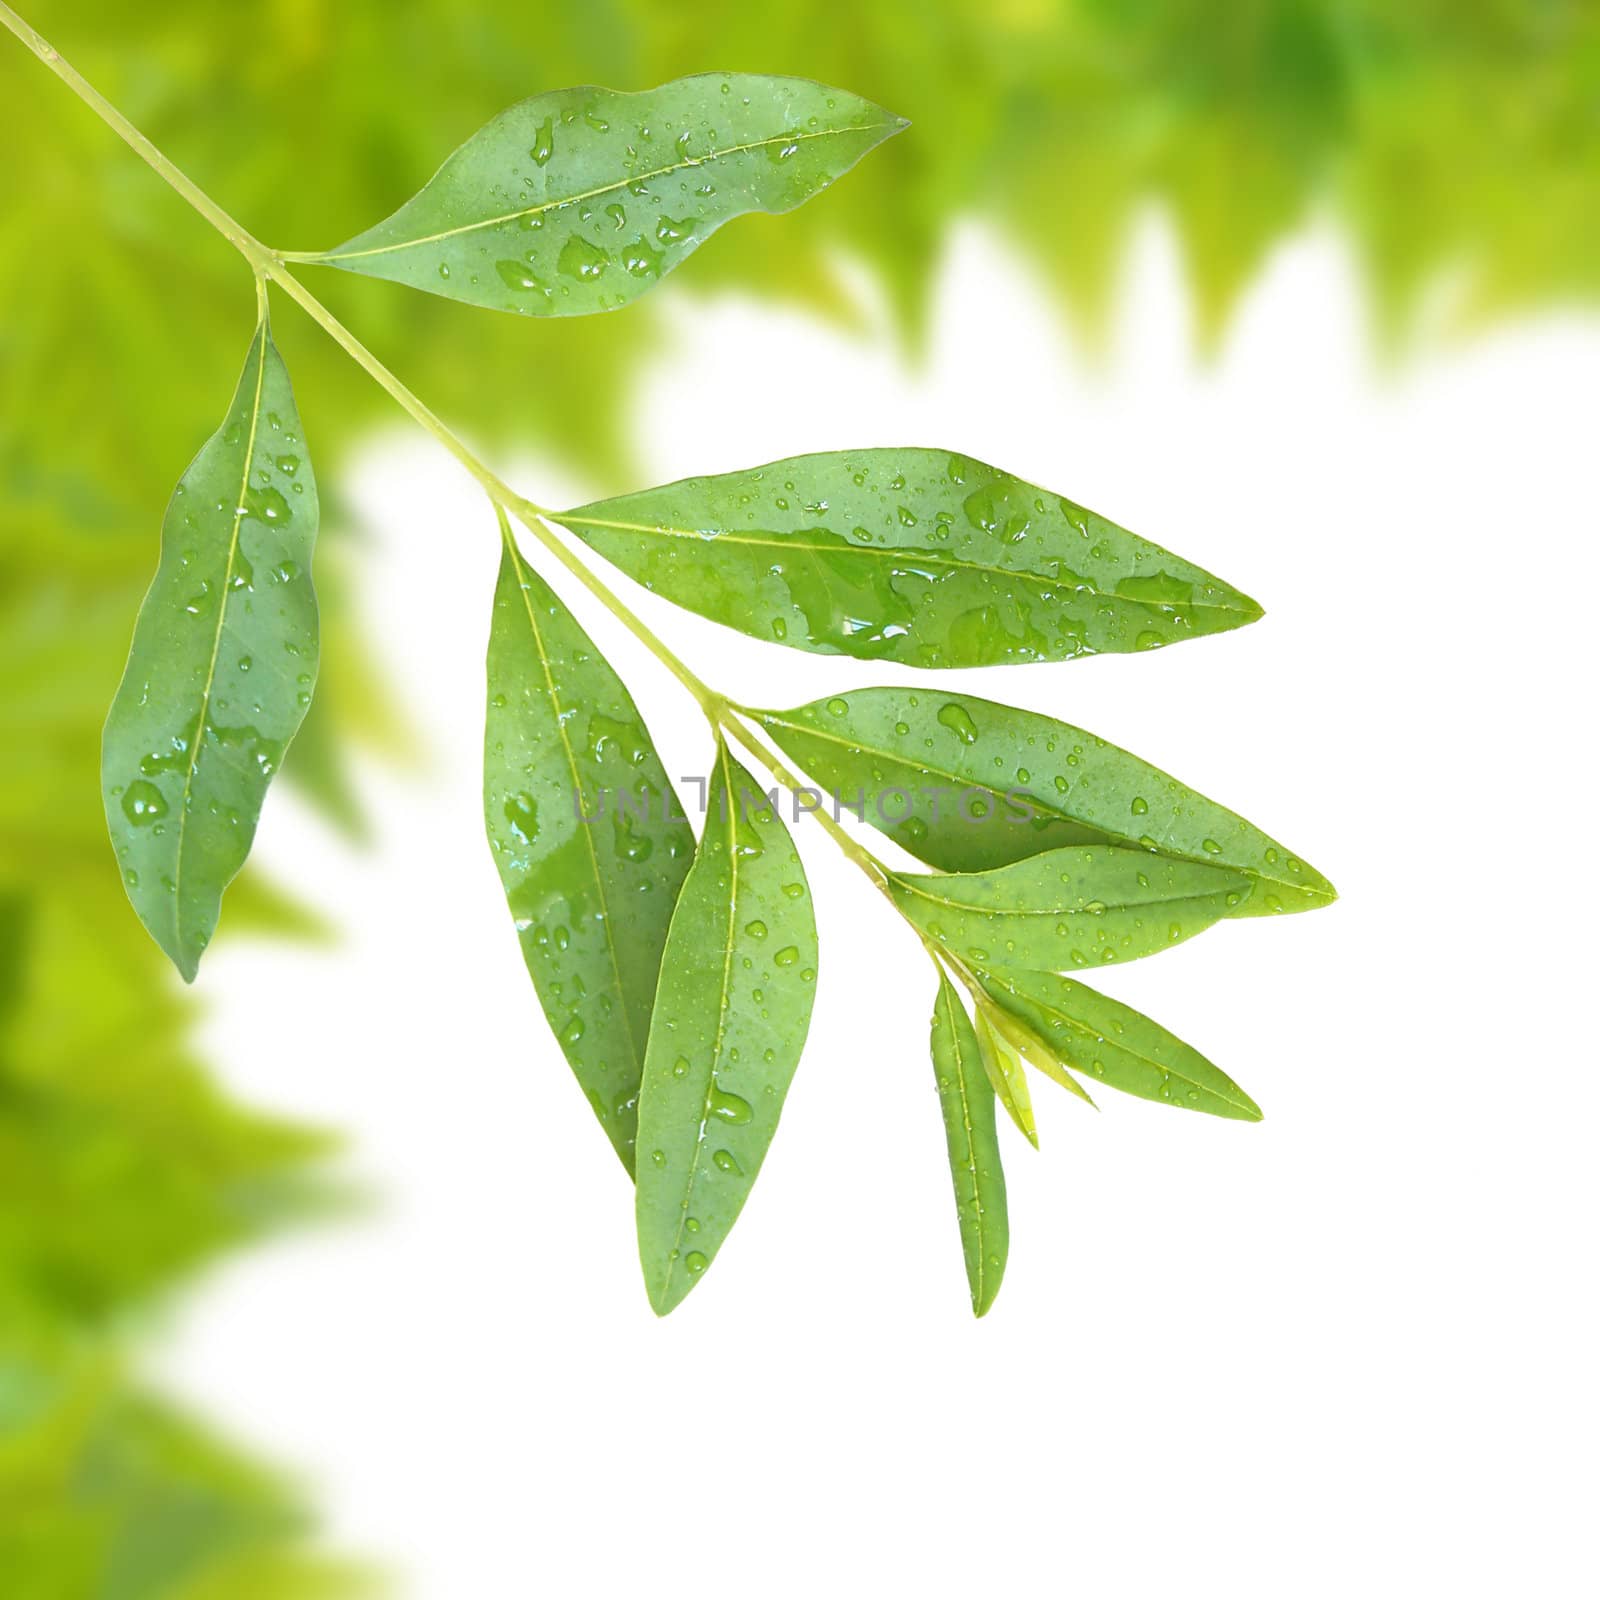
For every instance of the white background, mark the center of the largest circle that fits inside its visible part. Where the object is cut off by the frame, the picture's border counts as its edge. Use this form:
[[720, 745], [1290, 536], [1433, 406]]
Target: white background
[[1348, 1350]]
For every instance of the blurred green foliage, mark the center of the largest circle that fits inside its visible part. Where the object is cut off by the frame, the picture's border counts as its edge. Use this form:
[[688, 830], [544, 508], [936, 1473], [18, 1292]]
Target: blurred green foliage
[[1449, 136]]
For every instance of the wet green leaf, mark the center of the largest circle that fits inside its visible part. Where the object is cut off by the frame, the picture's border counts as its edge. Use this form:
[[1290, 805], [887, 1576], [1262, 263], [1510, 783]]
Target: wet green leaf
[[730, 1017], [1032, 1049], [1114, 1044], [1083, 906], [222, 667], [591, 899], [582, 199], [1007, 1077], [967, 1099], [965, 785], [907, 555]]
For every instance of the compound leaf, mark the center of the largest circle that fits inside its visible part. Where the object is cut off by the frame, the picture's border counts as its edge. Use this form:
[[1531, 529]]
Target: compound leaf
[[966, 1098], [1083, 906], [582, 199], [590, 845], [1113, 1043], [966, 785], [222, 666], [730, 1017], [916, 556]]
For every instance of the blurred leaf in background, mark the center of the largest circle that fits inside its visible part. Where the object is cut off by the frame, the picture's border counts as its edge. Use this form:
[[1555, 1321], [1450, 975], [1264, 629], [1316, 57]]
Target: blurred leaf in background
[[1452, 138]]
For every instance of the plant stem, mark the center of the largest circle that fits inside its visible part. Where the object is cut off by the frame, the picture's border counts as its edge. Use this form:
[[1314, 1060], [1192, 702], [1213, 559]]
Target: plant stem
[[268, 264], [537, 521], [249, 247], [862, 857]]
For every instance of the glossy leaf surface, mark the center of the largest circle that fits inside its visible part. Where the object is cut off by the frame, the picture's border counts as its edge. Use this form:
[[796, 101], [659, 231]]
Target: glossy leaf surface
[[223, 663], [1007, 1077], [1114, 1044], [966, 1098], [1084, 906], [582, 199], [917, 556], [591, 846], [966, 784], [730, 1018], [1033, 1049]]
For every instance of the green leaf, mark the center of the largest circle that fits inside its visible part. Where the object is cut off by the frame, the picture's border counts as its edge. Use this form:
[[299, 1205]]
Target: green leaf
[[1087, 905], [222, 667], [582, 199], [591, 899], [1032, 1049], [730, 1017], [966, 784], [1007, 1077], [907, 555], [1111, 1042], [967, 1099]]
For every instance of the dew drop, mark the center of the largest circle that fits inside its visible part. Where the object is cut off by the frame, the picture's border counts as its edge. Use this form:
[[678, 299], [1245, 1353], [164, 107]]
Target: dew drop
[[957, 719], [730, 1108], [142, 803], [581, 260]]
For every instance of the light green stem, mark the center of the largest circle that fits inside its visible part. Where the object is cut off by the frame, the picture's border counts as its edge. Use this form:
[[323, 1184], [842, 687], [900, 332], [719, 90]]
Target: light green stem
[[268, 264], [249, 247]]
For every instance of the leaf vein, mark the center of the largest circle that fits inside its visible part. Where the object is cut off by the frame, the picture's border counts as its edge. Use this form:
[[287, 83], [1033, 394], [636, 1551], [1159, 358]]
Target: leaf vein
[[216, 641], [572, 767], [922, 554], [591, 194]]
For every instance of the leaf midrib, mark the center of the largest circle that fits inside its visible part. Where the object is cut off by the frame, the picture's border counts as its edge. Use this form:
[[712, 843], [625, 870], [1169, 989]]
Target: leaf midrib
[[1049, 1009], [591, 194], [588, 833], [909, 883], [948, 1000], [892, 552], [216, 641], [1041, 801], [724, 991]]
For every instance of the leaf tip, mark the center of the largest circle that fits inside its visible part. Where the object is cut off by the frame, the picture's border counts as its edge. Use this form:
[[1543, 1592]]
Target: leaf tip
[[184, 957], [668, 1291], [1241, 1108]]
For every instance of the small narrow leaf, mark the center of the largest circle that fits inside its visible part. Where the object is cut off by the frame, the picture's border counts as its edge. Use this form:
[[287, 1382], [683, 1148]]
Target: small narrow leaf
[[965, 785], [590, 844], [917, 556], [1083, 906], [1007, 1077], [967, 1099], [730, 1017], [1116, 1045], [1033, 1050], [223, 663], [582, 199]]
